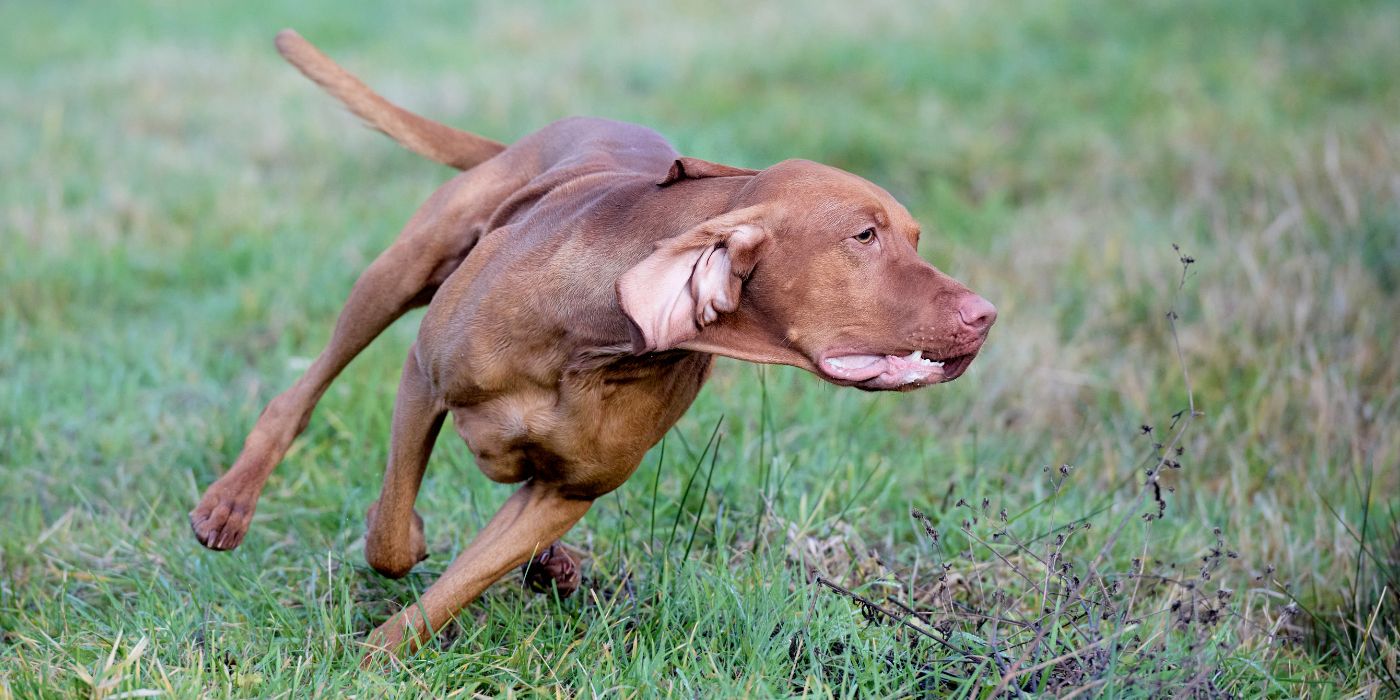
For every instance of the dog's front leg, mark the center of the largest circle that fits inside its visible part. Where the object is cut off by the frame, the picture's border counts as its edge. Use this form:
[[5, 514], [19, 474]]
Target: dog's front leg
[[394, 539], [531, 520]]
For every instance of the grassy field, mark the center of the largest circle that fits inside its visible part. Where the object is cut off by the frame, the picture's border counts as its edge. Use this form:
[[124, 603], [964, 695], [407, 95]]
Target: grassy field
[[181, 215]]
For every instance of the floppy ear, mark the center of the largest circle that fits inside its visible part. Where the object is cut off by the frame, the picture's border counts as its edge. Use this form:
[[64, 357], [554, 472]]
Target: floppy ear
[[691, 279], [694, 169]]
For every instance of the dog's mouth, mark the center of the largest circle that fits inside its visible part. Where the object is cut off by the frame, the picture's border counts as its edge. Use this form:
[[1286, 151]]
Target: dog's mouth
[[896, 372]]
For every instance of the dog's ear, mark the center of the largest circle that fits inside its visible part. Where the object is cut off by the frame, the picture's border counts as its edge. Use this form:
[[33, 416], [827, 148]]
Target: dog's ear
[[689, 280], [694, 169]]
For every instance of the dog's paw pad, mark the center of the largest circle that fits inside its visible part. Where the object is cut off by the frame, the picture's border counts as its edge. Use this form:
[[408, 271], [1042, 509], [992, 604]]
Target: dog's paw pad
[[555, 569]]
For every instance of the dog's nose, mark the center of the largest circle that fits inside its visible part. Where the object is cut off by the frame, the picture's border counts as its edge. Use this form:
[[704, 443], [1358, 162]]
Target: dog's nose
[[977, 313]]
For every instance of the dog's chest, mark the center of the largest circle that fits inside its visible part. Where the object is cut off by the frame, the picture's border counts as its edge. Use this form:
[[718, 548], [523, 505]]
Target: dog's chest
[[513, 436], [588, 432]]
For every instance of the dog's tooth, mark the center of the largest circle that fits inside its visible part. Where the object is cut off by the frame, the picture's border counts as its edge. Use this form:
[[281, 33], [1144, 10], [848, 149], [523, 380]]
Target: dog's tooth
[[914, 356]]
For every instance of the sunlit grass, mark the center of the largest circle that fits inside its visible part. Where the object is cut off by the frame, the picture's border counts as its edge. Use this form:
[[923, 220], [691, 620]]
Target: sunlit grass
[[181, 217]]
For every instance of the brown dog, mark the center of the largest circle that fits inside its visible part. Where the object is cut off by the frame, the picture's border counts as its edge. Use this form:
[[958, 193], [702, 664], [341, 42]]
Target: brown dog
[[581, 282]]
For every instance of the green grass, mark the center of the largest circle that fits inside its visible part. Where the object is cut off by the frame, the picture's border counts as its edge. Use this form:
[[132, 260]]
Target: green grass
[[181, 216]]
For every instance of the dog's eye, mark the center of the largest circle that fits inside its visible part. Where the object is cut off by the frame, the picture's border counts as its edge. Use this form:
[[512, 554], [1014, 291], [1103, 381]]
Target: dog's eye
[[865, 236]]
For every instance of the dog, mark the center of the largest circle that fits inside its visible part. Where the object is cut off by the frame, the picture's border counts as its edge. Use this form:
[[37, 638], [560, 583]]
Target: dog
[[580, 284]]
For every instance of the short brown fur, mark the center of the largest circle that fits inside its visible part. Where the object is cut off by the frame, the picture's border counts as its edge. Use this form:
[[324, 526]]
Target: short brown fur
[[581, 282]]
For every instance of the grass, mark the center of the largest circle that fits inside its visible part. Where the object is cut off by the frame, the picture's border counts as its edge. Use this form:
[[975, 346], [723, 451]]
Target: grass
[[182, 215]]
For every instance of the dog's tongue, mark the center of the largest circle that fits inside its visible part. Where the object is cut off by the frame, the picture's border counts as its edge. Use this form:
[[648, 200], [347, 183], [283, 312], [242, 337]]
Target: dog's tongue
[[856, 368], [898, 370]]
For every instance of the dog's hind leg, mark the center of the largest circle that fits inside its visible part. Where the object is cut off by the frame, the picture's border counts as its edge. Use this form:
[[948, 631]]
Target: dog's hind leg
[[406, 275], [387, 289], [394, 541]]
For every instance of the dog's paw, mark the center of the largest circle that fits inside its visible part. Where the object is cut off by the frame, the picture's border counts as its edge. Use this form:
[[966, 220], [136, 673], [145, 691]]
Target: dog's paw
[[221, 519], [383, 646], [394, 559], [554, 568]]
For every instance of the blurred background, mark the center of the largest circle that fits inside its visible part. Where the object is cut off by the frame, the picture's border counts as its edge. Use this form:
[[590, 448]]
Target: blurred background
[[182, 214]]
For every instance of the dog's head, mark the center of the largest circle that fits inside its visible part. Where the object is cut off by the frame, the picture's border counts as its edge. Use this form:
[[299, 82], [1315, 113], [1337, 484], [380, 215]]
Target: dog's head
[[814, 267]]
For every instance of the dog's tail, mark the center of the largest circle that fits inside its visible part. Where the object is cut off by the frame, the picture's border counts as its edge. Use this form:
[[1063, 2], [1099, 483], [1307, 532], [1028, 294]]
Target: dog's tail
[[427, 138]]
